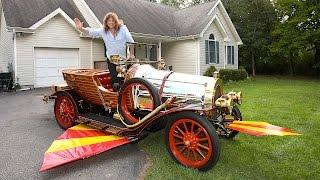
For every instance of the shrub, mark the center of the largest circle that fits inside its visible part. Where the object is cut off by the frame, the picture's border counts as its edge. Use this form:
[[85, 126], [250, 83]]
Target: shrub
[[233, 74], [209, 72]]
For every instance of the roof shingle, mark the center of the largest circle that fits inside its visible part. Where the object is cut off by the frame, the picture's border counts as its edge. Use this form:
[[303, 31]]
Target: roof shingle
[[150, 18], [140, 16], [25, 13]]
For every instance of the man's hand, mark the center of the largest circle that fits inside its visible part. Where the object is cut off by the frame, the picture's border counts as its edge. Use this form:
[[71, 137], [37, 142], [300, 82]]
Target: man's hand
[[79, 24]]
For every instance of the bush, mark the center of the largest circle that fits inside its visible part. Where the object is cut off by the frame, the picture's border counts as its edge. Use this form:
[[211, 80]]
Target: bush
[[209, 72], [233, 74]]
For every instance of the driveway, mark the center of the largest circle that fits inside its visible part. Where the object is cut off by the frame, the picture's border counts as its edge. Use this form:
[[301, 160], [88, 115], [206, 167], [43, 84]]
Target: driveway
[[28, 128]]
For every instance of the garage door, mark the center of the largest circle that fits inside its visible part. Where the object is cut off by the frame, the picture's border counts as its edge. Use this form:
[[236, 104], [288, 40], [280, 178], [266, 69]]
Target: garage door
[[49, 63]]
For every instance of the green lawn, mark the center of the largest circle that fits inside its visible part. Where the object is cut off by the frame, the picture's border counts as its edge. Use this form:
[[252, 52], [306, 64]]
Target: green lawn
[[287, 102]]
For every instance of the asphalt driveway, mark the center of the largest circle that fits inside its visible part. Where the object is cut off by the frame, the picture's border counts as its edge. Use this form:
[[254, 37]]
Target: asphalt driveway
[[28, 128]]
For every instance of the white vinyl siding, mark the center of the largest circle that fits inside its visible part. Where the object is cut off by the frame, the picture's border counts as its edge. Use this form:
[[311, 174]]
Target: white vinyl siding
[[182, 55], [213, 29], [98, 54], [98, 50], [6, 45], [56, 33]]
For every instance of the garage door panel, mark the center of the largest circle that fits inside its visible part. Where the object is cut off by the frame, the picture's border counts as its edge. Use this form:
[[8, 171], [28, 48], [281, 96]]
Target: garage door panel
[[69, 62], [48, 81], [44, 63], [50, 72], [54, 53], [49, 63]]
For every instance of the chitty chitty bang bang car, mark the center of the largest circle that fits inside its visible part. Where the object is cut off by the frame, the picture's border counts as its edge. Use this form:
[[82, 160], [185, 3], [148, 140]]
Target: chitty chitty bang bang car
[[193, 109]]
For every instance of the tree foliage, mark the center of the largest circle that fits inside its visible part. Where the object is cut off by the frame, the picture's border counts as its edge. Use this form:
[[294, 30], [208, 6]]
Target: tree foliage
[[175, 3], [297, 32], [279, 36], [180, 3], [194, 2], [254, 21]]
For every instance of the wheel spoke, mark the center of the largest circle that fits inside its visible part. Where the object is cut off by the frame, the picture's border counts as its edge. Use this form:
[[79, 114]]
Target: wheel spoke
[[203, 139], [194, 154], [177, 136], [70, 116], [180, 130], [179, 143], [185, 127], [183, 149], [65, 119], [199, 131], [203, 147], [199, 152], [188, 153], [192, 126]]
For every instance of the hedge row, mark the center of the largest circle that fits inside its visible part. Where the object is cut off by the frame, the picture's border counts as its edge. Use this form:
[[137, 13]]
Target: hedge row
[[228, 74], [209, 72], [233, 74]]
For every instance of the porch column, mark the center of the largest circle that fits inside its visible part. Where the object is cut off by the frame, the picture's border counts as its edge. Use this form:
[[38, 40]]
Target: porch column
[[159, 51]]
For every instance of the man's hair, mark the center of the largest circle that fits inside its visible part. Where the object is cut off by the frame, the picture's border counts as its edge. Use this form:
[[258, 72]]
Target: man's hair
[[116, 19]]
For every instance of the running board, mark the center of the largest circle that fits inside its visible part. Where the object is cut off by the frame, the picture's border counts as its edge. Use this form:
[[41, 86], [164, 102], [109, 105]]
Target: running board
[[103, 123]]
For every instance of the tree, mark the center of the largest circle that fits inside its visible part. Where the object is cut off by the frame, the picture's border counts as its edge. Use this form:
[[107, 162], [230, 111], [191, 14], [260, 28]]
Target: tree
[[254, 21], [193, 2], [297, 31], [175, 3]]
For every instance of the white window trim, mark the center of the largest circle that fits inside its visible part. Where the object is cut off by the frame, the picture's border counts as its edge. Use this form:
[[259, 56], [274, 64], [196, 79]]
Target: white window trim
[[50, 16], [147, 52], [213, 40], [232, 54]]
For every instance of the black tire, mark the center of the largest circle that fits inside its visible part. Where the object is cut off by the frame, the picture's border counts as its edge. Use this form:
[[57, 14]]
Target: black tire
[[69, 97], [213, 159], [237, 114], [152, 90]]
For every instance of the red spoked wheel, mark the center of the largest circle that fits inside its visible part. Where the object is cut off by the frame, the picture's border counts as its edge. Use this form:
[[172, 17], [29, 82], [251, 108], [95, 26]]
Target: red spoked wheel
[[65, 110], [137, 98], [192, 141]]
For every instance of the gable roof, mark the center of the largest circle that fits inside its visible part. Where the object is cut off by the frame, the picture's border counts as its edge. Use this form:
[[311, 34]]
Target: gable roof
[[25, 13], [142, 16], [192, 20]]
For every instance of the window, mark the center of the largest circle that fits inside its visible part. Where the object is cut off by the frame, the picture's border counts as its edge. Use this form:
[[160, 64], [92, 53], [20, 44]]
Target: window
[[230, 54], [147, 52], [212, 50]]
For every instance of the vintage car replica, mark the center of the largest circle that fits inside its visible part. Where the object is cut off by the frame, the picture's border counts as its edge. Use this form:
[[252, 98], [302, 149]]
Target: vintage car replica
[[193, 109]]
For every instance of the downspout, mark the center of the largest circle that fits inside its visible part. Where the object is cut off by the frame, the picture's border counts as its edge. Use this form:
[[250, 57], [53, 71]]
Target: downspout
[[15, 56], [198, 58], [225, 55], [159, 51], [91, 48]]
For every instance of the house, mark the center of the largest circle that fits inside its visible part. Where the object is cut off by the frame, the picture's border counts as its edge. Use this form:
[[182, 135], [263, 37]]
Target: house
[[38, 38]]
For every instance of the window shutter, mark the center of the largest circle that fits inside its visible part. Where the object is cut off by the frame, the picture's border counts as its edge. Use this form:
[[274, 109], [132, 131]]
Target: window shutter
[[218, 53], [207, 51], [229, 55], [232, 54]]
